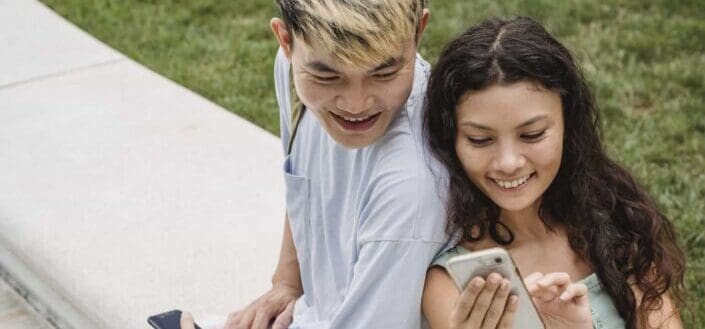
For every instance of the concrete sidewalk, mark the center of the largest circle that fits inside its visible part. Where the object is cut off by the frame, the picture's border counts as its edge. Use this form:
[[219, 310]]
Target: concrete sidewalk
[[123, 194]]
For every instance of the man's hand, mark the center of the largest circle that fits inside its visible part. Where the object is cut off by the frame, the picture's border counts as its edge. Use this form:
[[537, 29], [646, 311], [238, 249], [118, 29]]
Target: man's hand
[[187, 321], [276, 305]]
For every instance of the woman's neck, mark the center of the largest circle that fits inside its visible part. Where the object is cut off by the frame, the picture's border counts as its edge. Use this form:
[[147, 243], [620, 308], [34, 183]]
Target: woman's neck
[[526, 225]]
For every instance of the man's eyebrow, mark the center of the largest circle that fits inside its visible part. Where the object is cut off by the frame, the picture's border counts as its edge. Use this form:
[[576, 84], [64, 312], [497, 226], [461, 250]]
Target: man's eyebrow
[[392, 61], [321, 67]]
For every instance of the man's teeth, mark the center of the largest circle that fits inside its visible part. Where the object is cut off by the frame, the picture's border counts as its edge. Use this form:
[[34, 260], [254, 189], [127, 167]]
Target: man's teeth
[[512, 183]]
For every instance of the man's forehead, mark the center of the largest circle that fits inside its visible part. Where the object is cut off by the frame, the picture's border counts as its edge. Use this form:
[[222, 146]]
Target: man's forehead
[[324, 61]]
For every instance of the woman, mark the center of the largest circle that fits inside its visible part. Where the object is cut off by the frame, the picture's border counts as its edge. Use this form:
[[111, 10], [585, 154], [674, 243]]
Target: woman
[[511, 118]]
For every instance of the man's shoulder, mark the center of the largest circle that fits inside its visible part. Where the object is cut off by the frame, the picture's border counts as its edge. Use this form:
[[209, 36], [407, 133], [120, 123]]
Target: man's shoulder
[[282, 81], [422, 71], [422, 64], [404, 197]]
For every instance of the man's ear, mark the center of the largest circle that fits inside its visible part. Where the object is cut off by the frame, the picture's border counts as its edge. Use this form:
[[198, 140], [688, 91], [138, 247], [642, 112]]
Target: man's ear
[[283, 36], [421, 27]]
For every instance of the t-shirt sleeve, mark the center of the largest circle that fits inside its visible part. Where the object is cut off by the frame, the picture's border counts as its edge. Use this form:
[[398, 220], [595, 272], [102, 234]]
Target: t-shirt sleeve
[[387, 286], [443, 258], [282, 89], [398, 236], [401, 201]]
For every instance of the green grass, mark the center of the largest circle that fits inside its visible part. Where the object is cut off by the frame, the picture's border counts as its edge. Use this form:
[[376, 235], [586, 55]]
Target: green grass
[[645, 60]]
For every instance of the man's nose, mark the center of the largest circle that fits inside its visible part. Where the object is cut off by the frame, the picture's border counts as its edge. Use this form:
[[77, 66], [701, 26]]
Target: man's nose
[[355, 100]]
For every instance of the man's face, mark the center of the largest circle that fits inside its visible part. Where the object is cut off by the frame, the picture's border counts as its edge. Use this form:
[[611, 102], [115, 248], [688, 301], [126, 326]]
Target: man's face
[[354, 104]]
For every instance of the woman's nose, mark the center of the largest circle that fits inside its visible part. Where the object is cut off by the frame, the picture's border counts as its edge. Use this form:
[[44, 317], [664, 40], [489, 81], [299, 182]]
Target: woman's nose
[[509, 160]]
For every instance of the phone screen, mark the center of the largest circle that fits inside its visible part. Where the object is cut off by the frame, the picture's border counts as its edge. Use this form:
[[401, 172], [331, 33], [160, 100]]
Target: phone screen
[[167, 320]]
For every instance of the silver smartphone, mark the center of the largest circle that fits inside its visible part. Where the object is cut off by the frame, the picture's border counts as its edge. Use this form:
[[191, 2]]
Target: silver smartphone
[[481, 263]]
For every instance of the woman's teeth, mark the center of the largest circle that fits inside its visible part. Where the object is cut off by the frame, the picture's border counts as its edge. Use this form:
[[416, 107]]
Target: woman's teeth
[[512, 183], [357, 119]]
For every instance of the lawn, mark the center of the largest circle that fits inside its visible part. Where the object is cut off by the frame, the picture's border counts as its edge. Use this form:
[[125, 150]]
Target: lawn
[[645, 60]]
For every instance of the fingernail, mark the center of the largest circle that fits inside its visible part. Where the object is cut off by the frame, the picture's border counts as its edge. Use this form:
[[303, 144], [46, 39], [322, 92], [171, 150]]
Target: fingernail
[[478, 282], [493, 278]]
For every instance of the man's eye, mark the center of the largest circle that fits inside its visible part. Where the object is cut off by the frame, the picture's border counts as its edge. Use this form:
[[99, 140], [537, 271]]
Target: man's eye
[[533, 136], [479, 141], [385, 75], [325, 79]]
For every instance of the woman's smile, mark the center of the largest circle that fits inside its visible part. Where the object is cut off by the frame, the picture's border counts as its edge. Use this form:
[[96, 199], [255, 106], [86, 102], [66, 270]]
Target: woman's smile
[[512, 185]]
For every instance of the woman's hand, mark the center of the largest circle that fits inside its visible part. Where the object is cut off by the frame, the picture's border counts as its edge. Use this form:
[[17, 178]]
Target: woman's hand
[[561, 302], [484, 304]]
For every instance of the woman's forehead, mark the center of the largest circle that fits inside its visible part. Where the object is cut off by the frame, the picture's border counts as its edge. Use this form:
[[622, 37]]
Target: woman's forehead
[[509, 104]]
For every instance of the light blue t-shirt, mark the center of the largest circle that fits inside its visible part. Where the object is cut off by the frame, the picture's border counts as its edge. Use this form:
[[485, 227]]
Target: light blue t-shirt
[[366, 222]]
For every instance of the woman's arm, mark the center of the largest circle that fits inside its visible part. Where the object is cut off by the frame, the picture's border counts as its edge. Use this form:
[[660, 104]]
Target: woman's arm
[[666, 317], [439, 296]]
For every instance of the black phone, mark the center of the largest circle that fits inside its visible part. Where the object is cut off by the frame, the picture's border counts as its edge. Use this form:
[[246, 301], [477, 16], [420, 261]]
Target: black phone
[[167, 320]]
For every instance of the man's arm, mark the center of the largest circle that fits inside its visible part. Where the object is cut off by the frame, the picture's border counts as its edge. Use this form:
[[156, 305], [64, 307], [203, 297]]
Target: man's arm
[[386, 287], [287, 271], [278, 303], [400, 228]]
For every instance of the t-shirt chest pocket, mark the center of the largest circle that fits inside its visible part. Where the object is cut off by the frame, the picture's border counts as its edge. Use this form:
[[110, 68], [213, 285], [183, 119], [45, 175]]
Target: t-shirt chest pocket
[[297, 208]]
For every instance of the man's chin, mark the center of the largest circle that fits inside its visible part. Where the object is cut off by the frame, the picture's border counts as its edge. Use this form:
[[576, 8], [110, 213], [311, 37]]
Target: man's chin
[[355, 142]]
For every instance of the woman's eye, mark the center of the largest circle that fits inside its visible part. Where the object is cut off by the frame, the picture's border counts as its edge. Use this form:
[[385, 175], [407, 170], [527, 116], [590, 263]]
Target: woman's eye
[[479, 141], [533, 135]]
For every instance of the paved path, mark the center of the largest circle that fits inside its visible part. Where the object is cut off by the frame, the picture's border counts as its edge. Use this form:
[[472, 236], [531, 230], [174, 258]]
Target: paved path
[[123, 194]]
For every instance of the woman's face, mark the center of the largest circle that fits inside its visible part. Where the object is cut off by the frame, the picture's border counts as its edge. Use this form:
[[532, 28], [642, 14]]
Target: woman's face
[[510, 142]]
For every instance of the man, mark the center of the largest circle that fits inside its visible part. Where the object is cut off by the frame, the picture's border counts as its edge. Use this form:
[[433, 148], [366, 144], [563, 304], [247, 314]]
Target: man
[[364, 218]]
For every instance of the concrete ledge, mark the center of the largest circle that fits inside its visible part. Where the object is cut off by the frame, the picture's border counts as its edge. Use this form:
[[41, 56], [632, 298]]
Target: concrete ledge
[[15, 313], [124, 195], [37, 296]]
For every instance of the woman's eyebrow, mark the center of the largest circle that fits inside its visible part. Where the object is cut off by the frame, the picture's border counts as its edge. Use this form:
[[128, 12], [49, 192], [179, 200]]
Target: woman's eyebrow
[[525, 124], [475, 125], [533, 120]]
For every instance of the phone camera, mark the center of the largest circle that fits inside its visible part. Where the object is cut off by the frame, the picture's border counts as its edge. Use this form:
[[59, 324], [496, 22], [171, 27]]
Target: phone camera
[[498, 260]]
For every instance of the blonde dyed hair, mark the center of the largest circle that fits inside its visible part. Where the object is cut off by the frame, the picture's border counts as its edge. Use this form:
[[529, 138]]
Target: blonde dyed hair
[[356, 32]]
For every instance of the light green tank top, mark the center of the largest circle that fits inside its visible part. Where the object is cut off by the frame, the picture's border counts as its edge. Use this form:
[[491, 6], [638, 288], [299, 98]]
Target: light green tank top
[[604, 314]]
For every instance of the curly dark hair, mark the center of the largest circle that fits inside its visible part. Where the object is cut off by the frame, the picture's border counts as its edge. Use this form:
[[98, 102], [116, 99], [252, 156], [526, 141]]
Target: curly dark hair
[[610, 220]]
